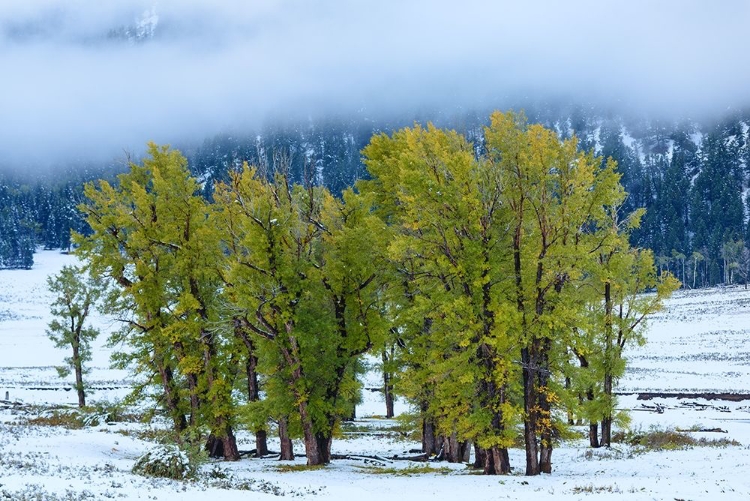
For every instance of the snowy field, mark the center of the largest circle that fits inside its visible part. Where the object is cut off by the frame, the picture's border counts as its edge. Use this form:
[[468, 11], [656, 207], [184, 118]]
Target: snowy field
[[699, 345]]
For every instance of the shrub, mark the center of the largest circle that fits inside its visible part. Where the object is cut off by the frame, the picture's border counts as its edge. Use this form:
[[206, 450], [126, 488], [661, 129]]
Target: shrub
[[164, 461]]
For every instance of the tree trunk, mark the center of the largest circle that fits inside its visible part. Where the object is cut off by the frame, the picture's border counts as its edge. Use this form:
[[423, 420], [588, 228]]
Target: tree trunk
[[545, 453], [455, 451], [171, 398], [594, 435], [317, 446], [79, 375], [192, 381], [429, 441], [496, 461], [253, 395], [223, 447], [286, 446], [324, 447], [609, 341], [229, 442], [223, 443], [545, 410], [315, 456], [261, 443], [569, 413], [480, 457], [530, 402], [214, 446], [607, 420], [387, 385], [220, 400], [388, 398]]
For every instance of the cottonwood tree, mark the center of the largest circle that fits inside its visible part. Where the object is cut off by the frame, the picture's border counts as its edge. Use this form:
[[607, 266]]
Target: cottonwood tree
[[449, 219], [629, 292], [490, 249], [152, 238], [555, 195], [76, 294], [311, 296]]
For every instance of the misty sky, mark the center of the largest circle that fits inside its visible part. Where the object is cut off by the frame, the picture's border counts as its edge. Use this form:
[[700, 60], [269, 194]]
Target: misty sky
[[76, 80]]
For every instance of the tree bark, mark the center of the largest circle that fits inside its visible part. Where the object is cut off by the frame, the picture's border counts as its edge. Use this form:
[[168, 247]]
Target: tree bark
[[286, 446], [545, 408], [496, 461], [221, 425], [223, 447], [253, 395], [480, 456], [455, 451], [315, 447], [387, 384], [171, 398], [229, 443], [607, 420], [594, 435], [261, 443], [429, 441], [609, 341], [192, 381], [79, 374], [530, 401]]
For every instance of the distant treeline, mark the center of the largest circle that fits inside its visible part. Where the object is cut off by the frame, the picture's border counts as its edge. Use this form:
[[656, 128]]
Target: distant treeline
[[39, 213], [691, 177]]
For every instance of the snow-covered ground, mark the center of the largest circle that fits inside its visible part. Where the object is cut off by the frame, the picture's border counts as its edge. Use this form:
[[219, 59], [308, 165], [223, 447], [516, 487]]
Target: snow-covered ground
[[699, 344]]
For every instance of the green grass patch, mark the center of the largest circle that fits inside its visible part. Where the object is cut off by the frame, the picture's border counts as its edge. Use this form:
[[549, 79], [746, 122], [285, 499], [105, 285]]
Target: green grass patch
[[287, 468], [408, 471], [668, 440]]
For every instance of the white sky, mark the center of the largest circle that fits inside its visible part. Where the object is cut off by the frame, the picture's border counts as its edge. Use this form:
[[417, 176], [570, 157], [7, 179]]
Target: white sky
[[67, 92]]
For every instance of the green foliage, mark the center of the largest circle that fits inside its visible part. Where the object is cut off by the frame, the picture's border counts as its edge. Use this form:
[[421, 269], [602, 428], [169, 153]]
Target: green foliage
[[165, 461], [482, 273], [76, 294], [300, 284], [493, 255], [153, 240]]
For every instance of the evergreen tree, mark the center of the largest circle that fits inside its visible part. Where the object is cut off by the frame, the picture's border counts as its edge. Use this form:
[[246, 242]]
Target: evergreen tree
[[716, 200]]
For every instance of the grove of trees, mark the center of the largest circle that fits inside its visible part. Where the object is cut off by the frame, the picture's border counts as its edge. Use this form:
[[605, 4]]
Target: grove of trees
[[496, 277]]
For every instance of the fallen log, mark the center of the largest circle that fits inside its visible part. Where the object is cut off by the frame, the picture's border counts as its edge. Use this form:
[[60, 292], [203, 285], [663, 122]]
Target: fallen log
[[729, 397]]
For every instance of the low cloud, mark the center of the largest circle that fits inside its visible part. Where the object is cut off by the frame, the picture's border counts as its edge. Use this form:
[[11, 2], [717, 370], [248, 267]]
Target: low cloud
[[84, 79]]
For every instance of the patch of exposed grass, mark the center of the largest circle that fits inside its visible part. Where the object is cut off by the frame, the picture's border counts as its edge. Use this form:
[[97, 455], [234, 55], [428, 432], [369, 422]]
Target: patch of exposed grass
[[607, 453], [668, 440], [287, 468], [74, 418], [65, 418], [155, 435], [407, 471]]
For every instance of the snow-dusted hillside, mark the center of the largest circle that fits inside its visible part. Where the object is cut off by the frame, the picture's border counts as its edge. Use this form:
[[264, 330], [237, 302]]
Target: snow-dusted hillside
[[700, 343]]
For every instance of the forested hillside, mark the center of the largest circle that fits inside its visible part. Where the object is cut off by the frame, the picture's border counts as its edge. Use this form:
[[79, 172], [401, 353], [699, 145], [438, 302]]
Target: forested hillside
[[691, 176], [40, 211]]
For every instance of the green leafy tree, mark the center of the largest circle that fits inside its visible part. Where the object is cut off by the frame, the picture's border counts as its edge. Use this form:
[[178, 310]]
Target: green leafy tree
[[448, 251], [76, 294], [621, 290], [153, 238], [305, 289], [556, 195]]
